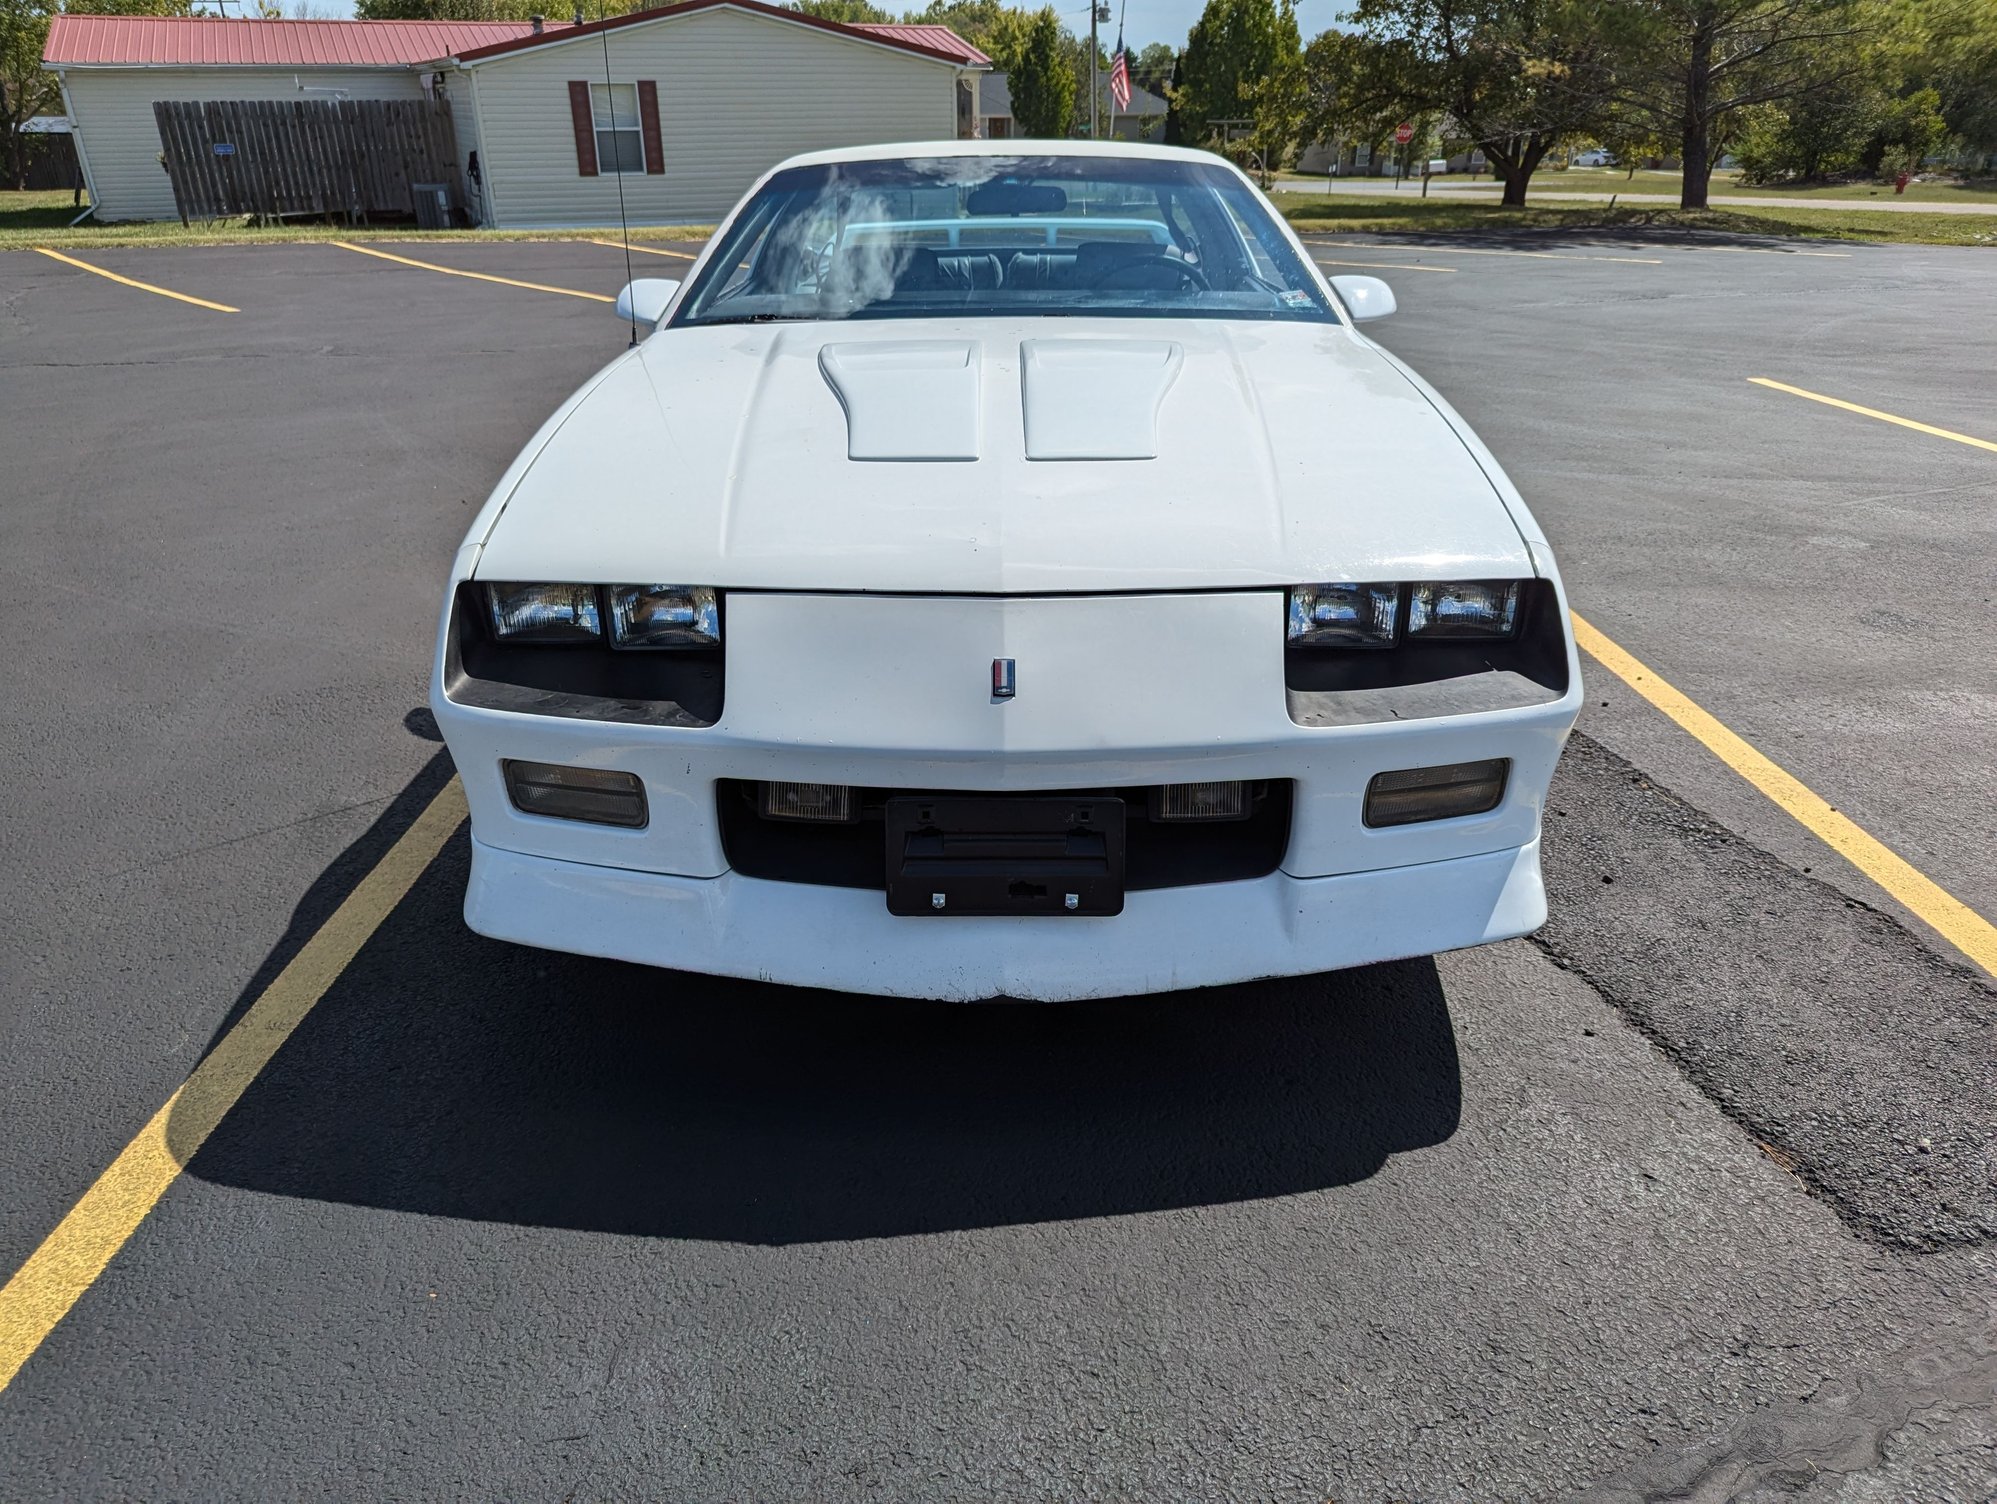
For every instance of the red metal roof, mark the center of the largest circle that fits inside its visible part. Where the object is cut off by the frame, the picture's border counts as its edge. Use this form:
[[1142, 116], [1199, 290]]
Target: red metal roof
[[203, 41], [934, 38], [955, 51]]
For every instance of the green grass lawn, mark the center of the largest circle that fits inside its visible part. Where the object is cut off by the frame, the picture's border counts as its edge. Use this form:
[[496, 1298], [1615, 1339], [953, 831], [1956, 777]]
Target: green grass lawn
[[41, 219], [1982, 192], [1378, 216], [1608, 181], [1616, 180]]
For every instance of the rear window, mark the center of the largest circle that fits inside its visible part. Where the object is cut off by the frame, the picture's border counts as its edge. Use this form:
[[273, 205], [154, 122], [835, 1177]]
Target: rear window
[[1003, 236]]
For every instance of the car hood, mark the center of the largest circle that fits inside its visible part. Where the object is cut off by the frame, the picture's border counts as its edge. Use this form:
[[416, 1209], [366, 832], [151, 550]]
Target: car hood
[[1002, 456]]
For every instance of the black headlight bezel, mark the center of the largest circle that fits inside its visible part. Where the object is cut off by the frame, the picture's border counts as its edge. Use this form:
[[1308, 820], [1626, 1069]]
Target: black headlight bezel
[[589, 680], [1535, 648]]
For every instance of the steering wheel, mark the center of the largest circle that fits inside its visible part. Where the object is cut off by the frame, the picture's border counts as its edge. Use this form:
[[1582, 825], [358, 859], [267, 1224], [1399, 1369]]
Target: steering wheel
[[1186, 270]]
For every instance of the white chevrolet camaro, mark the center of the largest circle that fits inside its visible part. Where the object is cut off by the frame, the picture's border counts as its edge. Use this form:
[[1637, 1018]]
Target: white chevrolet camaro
[[1005, 571]]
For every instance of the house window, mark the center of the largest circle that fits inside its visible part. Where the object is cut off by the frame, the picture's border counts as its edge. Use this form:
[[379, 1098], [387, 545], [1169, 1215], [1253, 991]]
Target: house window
[[620, 145]]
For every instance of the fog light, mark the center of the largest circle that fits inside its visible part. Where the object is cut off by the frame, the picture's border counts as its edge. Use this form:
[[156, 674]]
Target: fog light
[[828, 803], [1200, 801], [1415, 794], [592, 794]]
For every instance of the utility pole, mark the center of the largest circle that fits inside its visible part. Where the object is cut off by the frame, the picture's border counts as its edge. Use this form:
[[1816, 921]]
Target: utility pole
[[1098, 13], [1095, 15]]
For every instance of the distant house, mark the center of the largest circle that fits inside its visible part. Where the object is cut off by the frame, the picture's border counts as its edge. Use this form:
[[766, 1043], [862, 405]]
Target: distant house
[[702, 97], [47, 156], [1143, 120]]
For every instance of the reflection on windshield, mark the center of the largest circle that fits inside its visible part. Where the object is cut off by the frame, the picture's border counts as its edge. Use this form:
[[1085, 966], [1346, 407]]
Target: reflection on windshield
[[991, 236]]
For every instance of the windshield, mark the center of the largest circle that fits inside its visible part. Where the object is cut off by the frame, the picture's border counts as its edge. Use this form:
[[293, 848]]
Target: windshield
[[984, 236]]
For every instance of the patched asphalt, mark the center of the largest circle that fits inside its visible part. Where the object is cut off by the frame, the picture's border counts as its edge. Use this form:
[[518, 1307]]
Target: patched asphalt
[[1857, 1056], [500, 1222]]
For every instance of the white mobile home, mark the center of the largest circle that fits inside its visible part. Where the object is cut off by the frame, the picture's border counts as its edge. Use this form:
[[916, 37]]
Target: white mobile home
[[698, 100]]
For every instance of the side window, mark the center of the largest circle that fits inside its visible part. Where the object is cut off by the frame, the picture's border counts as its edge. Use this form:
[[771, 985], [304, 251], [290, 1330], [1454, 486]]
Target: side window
[[1249, 242], [620, 144]]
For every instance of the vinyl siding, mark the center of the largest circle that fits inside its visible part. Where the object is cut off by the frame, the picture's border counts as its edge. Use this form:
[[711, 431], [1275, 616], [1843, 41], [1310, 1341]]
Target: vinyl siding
[[456, 89], [114, 116], [737, 94]]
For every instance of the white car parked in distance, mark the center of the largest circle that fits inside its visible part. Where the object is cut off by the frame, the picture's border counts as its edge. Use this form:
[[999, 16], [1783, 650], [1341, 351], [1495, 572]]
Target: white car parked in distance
[[1006, 571]]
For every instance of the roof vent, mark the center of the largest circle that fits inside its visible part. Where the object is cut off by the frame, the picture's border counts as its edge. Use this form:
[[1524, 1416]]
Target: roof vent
[[540, 24]]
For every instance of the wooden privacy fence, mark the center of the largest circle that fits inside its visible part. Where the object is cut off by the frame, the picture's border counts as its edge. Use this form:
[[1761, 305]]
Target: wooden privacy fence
[[356, 157]]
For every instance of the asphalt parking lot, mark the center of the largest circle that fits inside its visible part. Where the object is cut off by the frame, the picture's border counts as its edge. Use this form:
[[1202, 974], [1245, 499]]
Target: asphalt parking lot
[[1698, 1189]]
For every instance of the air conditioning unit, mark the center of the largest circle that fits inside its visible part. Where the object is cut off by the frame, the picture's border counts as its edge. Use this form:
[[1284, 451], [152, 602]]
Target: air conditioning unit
[[433, 205]]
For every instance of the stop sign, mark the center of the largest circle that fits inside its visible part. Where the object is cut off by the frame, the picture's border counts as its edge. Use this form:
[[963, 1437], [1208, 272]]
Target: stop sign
[[1404, 132]]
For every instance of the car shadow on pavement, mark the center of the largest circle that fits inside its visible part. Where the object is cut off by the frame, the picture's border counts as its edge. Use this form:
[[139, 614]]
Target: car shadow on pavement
[[456, 1076]]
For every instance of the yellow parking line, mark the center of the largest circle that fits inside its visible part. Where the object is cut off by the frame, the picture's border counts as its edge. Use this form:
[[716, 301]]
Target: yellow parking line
[[649, 250], [1385, 266], [178, 297], [69, 1260], [1873, 412], [1957, 923], [452, 271]]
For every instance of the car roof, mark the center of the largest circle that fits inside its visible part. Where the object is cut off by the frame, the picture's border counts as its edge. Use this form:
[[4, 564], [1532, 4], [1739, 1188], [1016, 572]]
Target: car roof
[[1010, 147]]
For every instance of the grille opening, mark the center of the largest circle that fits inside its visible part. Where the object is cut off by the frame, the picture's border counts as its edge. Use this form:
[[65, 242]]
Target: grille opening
[[1157, 853]]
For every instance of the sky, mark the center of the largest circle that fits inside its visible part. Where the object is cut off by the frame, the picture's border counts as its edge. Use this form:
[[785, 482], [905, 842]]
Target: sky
[[1169, 20]]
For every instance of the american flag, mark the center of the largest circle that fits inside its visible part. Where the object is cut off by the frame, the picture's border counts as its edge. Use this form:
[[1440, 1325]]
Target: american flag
[[1119, 75]]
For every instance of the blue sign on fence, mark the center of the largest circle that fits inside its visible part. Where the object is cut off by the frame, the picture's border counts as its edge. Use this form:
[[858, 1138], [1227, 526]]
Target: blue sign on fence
[[224, 149]]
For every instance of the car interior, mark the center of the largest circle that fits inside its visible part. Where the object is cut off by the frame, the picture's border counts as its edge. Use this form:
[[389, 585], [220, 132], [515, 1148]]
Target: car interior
[[1091, 264]]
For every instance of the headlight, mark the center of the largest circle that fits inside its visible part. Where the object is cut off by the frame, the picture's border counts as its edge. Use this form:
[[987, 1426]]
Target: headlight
[[641, 616], [1369, 616], [1343, 616], [1464, 608], [664, 616], [544, 613]]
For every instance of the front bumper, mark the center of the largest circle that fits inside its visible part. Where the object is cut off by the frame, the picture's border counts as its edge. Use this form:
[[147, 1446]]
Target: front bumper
[[845, 939], [1113, 692]]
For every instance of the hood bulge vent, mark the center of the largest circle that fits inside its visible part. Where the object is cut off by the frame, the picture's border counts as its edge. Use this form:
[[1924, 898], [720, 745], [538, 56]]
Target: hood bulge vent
[[907, 400], [1095, 399]]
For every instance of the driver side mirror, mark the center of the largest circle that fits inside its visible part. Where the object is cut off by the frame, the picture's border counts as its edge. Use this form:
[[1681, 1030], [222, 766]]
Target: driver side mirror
[[1364, 297], [645, 300]]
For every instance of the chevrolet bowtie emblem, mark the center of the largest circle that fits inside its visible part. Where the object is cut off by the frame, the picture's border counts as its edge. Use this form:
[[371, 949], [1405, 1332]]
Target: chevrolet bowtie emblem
[[1004, 679]]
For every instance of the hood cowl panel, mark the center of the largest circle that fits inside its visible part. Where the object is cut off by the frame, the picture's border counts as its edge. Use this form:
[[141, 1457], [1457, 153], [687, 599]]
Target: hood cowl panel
[[992, 456]]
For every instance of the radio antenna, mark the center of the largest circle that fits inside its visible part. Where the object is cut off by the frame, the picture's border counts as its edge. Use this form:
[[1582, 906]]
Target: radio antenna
[[623, 220]]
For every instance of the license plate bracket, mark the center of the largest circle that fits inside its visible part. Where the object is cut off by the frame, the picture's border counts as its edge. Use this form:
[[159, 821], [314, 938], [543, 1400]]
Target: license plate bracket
[[986, 855]]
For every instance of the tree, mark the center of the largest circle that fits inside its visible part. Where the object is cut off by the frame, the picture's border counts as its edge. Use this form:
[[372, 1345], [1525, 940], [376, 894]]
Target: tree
[[994, 28], [1175, 115], [1691, 68], [1516, 76], [1151, 67], [1818, 134], [1042, 79], [1238, 53], [26, 88], [1934, 65], [851, 12], [492, 10]]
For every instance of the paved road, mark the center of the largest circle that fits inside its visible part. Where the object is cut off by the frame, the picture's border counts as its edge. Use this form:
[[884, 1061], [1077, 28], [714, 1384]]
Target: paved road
[[1698, 1185], [1382, 188]]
